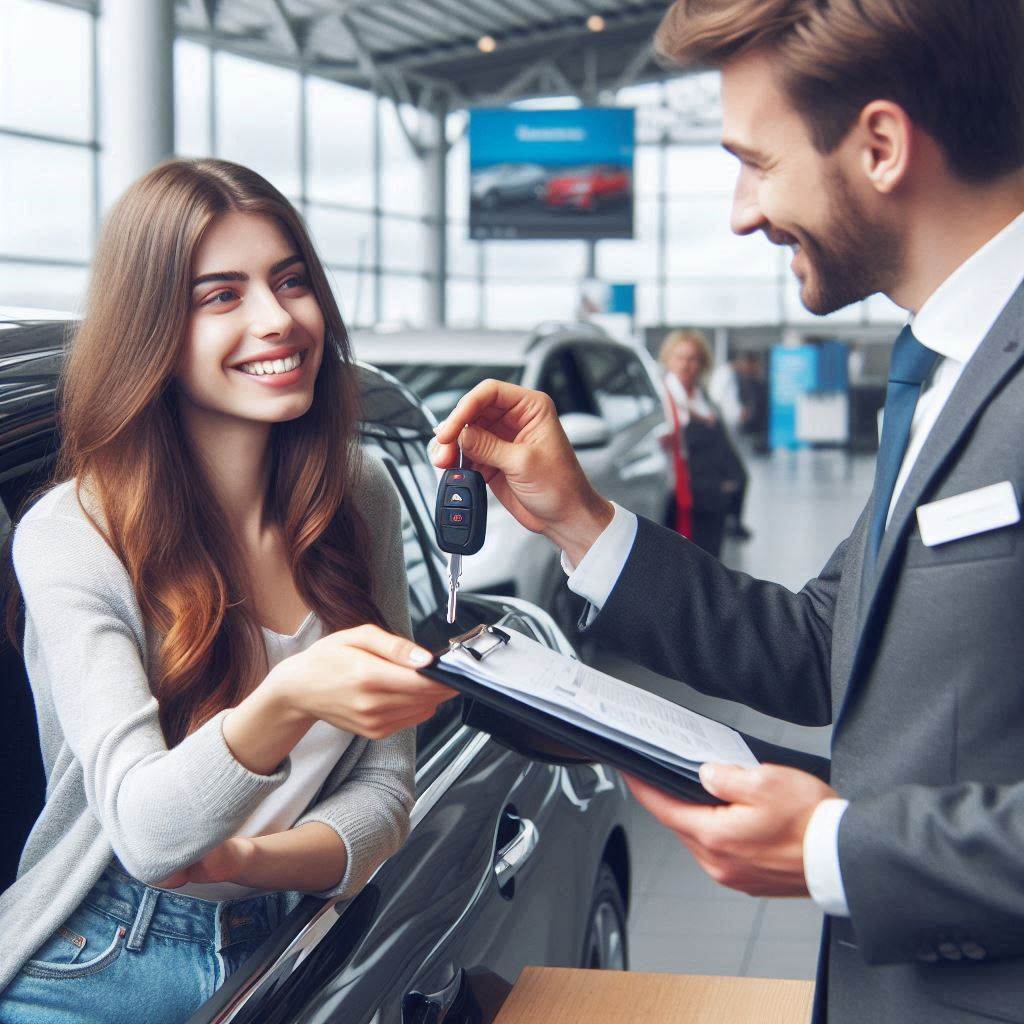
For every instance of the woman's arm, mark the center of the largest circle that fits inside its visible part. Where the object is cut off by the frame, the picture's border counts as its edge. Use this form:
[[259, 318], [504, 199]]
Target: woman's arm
[[308, 858], [162, 810]]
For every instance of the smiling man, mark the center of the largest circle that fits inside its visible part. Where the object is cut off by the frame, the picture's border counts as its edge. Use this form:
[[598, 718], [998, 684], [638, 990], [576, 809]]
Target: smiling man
[[883, 141]]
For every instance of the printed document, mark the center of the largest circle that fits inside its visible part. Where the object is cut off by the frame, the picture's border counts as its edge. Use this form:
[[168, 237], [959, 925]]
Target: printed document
[[609, 707]]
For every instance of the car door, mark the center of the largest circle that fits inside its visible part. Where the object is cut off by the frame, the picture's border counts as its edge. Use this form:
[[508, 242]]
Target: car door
[[635, 472]]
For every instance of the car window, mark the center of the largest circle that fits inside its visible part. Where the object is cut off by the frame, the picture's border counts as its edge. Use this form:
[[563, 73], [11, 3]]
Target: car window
[[560, 378], [439, 386], [620, 385]]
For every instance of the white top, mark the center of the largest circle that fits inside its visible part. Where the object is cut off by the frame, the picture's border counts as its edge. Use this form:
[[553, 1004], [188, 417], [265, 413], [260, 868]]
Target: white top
[[686, 403], [724, 389], [953, 322], [312, 759]]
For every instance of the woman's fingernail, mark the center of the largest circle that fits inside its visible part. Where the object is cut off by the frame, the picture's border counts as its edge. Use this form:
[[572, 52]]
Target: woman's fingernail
[[421, 657]]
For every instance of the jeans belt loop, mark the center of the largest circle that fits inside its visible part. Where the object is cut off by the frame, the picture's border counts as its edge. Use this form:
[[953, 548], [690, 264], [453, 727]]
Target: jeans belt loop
[[143, 918]]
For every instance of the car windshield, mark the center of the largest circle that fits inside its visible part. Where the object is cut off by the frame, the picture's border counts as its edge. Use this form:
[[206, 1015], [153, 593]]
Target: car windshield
[[439, 386]]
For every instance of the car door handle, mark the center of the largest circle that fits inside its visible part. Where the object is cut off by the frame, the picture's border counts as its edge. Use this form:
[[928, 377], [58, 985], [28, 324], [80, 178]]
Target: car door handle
[[432, 1007], [512, 857]]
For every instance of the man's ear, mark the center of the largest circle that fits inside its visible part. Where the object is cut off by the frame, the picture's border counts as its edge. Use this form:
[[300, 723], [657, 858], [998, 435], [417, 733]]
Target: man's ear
[[885, 135]]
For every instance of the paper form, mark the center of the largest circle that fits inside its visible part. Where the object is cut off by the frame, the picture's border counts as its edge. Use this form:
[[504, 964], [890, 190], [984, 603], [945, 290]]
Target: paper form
[[608, 706]]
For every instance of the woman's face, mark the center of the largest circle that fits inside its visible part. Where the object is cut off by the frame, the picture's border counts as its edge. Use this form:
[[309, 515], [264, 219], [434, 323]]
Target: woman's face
[[256, 332], [685, 362]]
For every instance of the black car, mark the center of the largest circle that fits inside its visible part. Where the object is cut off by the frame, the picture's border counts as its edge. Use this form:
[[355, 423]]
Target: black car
[[510, 862]]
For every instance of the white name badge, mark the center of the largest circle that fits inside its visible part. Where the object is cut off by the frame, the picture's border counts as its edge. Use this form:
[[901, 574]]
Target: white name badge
[[963, 515]]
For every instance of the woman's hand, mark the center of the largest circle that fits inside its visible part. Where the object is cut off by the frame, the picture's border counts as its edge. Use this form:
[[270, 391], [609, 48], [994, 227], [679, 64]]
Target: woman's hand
[[225, 863], [361, 680]]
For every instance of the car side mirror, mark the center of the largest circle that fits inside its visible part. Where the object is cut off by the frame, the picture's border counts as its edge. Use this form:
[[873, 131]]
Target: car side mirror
[[585, 431]]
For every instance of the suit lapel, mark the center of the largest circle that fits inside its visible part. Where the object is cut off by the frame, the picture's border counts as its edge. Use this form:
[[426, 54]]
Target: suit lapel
[[996, 357]]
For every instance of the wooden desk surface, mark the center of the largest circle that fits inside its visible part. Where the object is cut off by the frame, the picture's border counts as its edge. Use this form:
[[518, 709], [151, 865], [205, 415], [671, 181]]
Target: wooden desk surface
[[555, 995]]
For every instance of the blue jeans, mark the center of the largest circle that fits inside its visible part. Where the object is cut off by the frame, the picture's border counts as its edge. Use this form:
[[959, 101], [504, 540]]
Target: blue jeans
[[132, 953]]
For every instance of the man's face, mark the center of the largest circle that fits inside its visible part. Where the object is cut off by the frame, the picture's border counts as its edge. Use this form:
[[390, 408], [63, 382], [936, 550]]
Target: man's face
[[819, 205]]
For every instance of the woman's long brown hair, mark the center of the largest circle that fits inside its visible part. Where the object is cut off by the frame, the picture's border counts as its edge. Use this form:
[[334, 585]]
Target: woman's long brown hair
[[122, 443]]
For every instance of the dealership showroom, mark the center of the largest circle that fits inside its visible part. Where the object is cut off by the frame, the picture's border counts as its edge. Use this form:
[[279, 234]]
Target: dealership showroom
[[527, 192]]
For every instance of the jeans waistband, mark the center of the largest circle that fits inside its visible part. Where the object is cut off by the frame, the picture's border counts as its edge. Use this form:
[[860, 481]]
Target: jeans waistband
[[143, 908]]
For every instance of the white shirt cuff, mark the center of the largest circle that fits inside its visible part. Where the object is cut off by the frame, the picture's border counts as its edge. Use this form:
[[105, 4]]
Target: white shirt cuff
[[599, 568], [821, 858]]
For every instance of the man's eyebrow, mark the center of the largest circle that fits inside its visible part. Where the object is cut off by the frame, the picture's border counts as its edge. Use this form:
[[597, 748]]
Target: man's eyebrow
[[742, 152], [237, 275]]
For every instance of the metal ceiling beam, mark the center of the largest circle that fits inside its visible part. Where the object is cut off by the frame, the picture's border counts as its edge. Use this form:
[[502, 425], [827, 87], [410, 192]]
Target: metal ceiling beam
[[636, 64], [430, 14], [386, 20], [461, 12], [517, 86], [282, 28], [646, 16]]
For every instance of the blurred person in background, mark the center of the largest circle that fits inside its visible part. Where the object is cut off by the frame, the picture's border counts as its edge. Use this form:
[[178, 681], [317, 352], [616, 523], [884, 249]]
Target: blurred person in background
[[716, 472], [725, 390]]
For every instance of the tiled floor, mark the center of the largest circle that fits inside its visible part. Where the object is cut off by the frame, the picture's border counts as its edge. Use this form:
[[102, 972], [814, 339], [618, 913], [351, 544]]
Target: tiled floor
[[799, 505]]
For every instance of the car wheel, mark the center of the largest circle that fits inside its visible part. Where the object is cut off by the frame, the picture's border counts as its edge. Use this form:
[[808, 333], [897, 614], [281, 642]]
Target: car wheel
[[606, 947]]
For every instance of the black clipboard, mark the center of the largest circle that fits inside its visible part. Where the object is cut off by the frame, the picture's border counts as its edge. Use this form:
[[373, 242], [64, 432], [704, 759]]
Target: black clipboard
[[541, 736]]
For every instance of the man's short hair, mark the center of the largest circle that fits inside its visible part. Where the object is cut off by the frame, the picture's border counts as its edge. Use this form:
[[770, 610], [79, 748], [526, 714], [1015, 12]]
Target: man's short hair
[[955, 66]]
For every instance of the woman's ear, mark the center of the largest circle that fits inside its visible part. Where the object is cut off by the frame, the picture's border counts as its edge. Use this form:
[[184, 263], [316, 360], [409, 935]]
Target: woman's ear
[[885, 135]]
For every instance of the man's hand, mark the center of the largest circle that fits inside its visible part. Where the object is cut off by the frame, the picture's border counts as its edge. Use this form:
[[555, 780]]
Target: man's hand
[[225, 863], [754, 842], [514, 438]]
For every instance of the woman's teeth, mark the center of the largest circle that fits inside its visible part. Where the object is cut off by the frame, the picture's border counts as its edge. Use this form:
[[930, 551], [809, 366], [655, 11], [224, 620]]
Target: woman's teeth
[[271, 366]]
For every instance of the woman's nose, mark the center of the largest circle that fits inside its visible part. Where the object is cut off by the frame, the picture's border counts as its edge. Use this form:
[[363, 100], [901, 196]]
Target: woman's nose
[[269, 317]]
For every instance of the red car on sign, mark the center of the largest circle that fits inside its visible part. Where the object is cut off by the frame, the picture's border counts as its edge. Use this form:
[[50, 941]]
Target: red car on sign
[[587, 188]]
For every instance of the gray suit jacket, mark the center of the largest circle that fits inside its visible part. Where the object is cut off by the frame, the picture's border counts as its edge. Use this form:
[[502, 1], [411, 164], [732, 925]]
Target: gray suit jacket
[[919, 669]]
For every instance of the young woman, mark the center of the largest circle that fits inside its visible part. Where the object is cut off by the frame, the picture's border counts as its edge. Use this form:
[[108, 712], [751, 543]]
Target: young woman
[[215, 616]]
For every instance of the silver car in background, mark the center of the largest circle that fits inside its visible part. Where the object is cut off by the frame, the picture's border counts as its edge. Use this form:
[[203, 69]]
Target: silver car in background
[[608, 398]]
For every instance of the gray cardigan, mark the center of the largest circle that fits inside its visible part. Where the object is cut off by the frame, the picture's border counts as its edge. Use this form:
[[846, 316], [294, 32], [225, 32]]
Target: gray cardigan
[[113, 787]]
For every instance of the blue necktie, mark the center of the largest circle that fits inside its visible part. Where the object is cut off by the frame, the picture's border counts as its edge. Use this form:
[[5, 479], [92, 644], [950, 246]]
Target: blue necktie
[[910, 366]]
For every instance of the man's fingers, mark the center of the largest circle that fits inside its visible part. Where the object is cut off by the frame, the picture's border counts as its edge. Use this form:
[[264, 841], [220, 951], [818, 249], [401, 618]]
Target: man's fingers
[[678, 815], [485, 449], [729, 782], [487, 394]]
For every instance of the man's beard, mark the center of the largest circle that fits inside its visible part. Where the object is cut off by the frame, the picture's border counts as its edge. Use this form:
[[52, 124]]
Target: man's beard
[[859, 259]]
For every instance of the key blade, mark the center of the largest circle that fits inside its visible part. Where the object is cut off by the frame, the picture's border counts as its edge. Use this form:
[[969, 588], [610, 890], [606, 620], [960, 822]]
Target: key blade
[[454, 574]]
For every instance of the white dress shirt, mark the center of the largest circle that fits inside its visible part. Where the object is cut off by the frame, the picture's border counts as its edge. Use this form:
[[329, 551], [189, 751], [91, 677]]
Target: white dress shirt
[[953, 322]]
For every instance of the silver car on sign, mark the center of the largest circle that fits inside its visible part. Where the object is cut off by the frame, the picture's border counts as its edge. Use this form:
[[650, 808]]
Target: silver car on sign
[[608, 398]]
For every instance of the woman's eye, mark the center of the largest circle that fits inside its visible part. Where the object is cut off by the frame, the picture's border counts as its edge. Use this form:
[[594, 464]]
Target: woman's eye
[[221, 298], [296, 280]]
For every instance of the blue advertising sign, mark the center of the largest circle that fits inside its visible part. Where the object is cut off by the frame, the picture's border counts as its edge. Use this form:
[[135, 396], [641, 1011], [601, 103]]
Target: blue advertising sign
[[551, 173], [793, 373]]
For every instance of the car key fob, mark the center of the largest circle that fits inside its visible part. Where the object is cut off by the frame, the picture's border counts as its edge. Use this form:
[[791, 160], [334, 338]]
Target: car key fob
[[460, 515]]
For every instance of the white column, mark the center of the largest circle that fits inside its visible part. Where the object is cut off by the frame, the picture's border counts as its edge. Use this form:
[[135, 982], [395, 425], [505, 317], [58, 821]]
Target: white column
[[435, 184], [136, 86]]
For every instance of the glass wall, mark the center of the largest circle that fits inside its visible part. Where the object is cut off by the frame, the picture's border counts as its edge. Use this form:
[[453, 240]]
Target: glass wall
[[48, 154], [347, 159]]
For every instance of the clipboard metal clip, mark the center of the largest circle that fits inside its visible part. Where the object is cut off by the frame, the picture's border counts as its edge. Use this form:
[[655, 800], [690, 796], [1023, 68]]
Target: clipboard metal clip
[[466, 640]]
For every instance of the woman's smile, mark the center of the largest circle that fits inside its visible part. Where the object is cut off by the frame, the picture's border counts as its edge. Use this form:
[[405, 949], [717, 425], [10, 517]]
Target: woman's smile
[[277, 372]]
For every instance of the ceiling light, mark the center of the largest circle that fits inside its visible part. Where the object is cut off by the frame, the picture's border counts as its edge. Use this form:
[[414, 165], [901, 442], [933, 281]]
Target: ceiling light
[[595, 23], [486, 44]]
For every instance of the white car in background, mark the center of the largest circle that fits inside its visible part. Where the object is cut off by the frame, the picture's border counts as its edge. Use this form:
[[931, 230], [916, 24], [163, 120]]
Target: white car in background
[[608, 397]]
